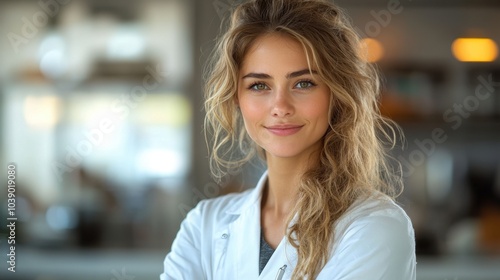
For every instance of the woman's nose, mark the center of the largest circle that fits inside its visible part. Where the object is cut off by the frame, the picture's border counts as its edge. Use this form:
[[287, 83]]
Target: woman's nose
[[282, 104]]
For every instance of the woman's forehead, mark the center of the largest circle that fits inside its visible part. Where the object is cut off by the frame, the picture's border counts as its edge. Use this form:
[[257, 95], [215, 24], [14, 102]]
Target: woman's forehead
[[272, 52]]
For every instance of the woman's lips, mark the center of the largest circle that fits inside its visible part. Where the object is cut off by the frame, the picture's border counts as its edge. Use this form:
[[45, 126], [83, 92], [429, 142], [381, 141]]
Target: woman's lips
[[284, 130]]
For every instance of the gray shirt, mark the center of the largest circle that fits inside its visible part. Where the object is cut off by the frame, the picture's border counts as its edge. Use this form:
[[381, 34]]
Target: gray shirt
[[265, 252]]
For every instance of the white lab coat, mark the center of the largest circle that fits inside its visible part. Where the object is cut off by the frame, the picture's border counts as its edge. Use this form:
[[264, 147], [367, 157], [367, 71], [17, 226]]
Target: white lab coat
[[219, 240]]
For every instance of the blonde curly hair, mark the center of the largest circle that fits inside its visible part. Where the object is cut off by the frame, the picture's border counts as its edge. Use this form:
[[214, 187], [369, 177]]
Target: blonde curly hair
[[354, 161]]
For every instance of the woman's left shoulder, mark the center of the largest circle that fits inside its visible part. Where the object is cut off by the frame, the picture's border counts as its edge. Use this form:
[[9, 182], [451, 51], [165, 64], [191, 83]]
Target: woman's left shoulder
[[377, 213], [374, 239], [378, 204]]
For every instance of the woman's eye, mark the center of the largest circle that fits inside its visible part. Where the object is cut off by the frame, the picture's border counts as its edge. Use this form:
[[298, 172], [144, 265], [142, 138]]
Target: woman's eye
[[304, 84], [258, 86]]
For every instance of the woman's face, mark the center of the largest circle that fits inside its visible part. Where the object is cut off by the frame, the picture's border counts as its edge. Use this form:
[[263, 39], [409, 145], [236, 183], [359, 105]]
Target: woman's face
[[284, 107]]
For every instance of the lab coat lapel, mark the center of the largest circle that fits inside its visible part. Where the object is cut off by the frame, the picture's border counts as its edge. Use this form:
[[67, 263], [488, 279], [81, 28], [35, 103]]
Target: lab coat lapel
[[244, 236], [285, 254], [244, 245]]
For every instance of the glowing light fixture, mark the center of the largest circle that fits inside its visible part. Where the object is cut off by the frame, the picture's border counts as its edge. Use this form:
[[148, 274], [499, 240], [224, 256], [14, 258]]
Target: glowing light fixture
[[42, 111], [53, 56], [371, 50], [474, 49]]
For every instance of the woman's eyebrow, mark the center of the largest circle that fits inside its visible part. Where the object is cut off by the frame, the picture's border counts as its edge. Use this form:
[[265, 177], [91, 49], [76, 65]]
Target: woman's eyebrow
[[257, 76], [288, 76], [300, 73]]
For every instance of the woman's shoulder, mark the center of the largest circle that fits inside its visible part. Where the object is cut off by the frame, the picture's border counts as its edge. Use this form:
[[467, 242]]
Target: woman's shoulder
[[376, 213], [221, 209], [225, 203], [377, 205], [374, 239]]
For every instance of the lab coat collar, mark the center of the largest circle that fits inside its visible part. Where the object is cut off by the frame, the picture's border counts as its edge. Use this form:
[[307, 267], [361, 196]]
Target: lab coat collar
[[246, 230], [254, 197]]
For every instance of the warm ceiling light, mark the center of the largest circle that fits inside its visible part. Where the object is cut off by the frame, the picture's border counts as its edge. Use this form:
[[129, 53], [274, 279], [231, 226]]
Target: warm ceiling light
[[474, 49], [371, 50], [42, 111]]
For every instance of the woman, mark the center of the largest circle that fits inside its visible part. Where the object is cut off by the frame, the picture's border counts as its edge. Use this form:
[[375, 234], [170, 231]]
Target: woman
[[288, 83]]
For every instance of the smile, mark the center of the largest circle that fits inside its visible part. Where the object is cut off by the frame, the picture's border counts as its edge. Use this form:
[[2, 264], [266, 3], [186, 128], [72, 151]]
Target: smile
[[284, 130]]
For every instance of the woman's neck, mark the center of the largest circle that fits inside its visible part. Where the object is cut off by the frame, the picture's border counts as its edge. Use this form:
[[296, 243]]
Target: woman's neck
[[283, 183]]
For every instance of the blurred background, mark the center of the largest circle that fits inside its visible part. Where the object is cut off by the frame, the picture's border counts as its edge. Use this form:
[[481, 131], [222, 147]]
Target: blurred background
[[101, 113]]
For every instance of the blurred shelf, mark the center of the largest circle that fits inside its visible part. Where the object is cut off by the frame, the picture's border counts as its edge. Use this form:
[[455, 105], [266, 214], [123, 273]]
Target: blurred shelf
[[85, 264], [454, 268]]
